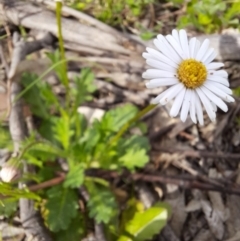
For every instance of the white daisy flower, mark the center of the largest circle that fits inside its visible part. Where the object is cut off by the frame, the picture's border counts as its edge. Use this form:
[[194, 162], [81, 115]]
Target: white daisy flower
[[187, 67]]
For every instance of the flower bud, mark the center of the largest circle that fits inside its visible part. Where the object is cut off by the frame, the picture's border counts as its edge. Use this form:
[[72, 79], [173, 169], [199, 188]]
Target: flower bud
[[9, 173]]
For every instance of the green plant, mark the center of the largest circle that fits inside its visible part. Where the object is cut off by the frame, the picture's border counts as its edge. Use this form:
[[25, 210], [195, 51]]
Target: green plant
[[210, 15], [114, 12], [63, 133]]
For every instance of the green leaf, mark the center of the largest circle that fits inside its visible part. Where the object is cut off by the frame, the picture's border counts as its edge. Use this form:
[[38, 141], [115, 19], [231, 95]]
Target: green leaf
[[62, 130], [134, 152], [84, 87], [133, 206], [33, 97], [75, 177], [47, 94], [134, 158], [62, 205], [8, 190], [46, 173], [204, 19], [48, 148], [55, 57], [79, 123], [114, 119], [135, 141], [145, 225], [234, 22], [233, 10], [46, 130], [147, 35], [74, 232], [102, 205], [91, 137], [43, 151], [5, 138], [33, 160], [8, 208]]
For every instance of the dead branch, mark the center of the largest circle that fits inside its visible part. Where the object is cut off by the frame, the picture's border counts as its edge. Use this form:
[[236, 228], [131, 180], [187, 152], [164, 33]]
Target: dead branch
[[183, 181], [199, 154], [33, 16]]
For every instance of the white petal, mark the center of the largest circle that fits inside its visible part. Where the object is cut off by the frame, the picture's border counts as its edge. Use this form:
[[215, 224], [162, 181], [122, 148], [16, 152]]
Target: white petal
[[203, 49], [186, 105], [214, 85], [197, 46], [199, 109], [214, 65], [153, 83], [167, 49], [147, 56], [156, 73], [160, 65], [211, 57], [222, 73], [218, 92], [192, 44], [171, 94], [184, 42], [206, 104], [218, 79], [175, 35], [159, 56], [209, 52], [216, 100], [177, 103], [193, 107], [214, 107], [159, 97], [175, 45], [164, 50]]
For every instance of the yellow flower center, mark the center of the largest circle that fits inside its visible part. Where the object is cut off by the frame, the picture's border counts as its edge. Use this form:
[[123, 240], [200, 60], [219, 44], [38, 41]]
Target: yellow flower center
[[192, 73]]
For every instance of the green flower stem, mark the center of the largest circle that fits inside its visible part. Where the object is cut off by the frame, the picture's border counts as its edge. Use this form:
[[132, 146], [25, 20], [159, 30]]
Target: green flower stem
[[133, 120], [62, 51]]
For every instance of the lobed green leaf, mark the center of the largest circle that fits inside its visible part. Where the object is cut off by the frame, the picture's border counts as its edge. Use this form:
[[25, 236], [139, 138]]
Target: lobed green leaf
[[75, 176], [62, 205], [102, 205]]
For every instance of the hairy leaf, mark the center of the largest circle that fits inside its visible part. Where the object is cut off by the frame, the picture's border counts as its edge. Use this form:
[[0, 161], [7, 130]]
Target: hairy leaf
[[62, 205]]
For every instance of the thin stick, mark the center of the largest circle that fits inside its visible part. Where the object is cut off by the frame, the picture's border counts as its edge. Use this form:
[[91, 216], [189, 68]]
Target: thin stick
[[186, 182]]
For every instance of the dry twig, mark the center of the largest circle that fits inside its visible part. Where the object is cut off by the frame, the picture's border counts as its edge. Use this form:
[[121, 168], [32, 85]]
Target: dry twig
[[30, 218]]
